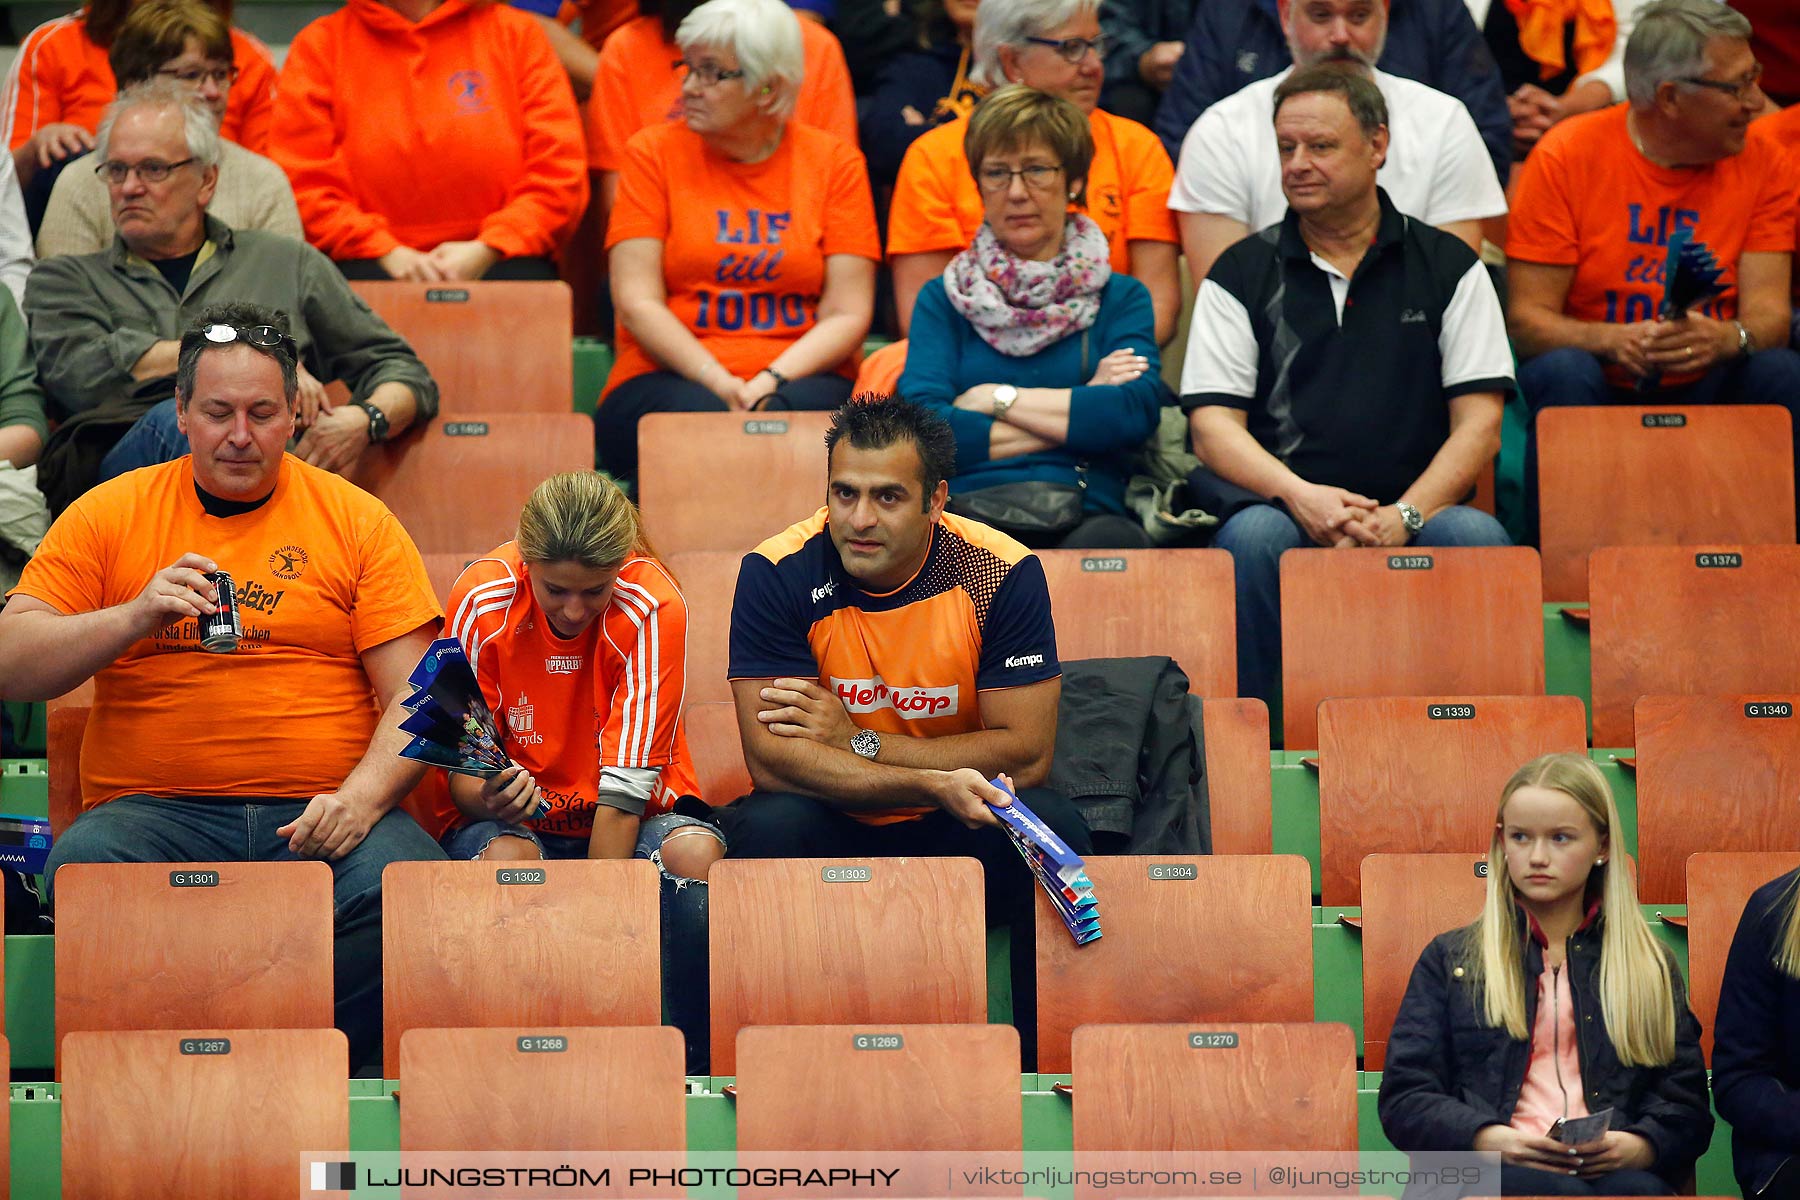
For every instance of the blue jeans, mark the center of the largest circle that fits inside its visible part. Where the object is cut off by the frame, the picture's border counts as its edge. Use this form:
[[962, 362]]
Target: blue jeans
[[1258, 536], [1572, 378], [686, 969], [156, 438], [227, 829]]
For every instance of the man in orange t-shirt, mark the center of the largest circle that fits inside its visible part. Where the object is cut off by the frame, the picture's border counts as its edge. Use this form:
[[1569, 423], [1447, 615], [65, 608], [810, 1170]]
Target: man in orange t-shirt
[[936, 207], [286, 745], [1593, 212]]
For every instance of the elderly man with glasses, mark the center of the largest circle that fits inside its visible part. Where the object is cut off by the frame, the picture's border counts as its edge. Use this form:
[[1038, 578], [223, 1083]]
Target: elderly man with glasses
[[185, 42], [105, 327], [312, 599], [1598, 202]]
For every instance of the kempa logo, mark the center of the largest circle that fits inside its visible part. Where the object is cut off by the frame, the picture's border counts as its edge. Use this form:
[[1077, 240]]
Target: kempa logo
[[1025, 660], [819, 593], [1412, 316], [563, 664], [870, 695]]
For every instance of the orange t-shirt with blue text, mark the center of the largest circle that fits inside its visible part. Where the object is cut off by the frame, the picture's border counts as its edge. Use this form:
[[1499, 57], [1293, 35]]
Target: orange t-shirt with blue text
[[62, 74], [911, 662], [1588, 198], [937, 207], [569, 707], [638, 83], [744, 244], [323, 572]]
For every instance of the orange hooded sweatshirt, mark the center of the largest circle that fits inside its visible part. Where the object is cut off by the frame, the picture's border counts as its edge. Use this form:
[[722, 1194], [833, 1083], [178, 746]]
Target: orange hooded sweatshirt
[[456, 128], [62, 74]]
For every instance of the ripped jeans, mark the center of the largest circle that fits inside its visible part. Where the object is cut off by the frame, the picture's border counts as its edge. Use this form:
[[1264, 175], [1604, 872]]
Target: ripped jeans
[[685, 970]]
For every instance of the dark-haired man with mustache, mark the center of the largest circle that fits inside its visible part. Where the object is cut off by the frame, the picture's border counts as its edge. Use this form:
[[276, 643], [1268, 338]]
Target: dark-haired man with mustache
[[1228, 179]]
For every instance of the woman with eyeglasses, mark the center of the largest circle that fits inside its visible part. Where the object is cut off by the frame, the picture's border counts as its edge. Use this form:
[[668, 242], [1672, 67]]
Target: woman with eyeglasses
[[1054, 46], [632, 91], [63, 81], [188, 43], [743, 245], [1042, 357], [431, 140]]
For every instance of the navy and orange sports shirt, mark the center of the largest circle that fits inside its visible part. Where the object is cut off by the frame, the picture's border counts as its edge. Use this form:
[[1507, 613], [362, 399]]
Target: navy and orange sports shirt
[[975, 618]]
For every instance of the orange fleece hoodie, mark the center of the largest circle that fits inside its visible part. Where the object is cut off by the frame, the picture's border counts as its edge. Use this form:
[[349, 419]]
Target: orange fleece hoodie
[[459, 127]]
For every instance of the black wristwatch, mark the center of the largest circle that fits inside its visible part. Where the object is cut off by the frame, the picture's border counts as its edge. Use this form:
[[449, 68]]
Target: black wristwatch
[[378, 422]]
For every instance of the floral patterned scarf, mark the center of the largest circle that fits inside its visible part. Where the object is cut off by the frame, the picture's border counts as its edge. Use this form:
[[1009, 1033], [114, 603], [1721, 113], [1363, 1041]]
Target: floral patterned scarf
[[1020, 306]]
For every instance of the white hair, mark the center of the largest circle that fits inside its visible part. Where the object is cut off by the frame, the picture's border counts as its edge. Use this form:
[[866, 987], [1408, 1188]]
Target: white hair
[[765, 37], [201, 127], [1668, 44], [1009, 22]]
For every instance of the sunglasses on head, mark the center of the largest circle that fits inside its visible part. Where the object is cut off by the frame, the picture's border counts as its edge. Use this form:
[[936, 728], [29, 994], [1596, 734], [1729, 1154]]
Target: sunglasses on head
[[265, 337]]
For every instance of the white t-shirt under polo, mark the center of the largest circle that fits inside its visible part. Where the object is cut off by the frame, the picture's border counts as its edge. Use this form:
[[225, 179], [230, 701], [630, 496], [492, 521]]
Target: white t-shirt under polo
[[1437, 168]]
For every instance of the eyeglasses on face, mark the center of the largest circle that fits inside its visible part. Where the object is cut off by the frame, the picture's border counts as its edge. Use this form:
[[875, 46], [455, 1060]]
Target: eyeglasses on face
[[151, 170], [1038, 177], [1072, 49], [706, 74], [1739, 90], [265, 337], [217, 76]]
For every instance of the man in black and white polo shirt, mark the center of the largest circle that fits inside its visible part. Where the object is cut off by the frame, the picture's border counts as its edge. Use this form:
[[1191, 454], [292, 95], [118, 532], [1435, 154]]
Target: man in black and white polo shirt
[[1346, 370], [1228, 180]]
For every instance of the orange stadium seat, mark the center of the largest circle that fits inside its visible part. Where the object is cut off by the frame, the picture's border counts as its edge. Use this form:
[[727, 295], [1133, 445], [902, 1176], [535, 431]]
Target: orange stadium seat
[[909, 1087], [1713, 773], [762, 472], [1238, 775], [1408, 899], [1272, 1087], [836, 941], [460, 483], [65, 723], [1689, 620], [1195, 938], [1414, 622], [1732, 466], [551, 1088], [712, 733], [498, 944], [184, 945], [1127, 603], [708, 582], [1718, 887], [499, 347], [201, 1112], [1422, 774]]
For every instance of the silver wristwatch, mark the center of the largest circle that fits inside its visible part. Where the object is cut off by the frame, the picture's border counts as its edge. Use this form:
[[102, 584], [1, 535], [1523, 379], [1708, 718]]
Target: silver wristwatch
[[1004, 395], [1412, 518], [866, 743]]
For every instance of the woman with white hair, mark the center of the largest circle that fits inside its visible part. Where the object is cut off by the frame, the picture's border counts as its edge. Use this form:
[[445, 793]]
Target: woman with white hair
[[742, 246], [1054, 46]]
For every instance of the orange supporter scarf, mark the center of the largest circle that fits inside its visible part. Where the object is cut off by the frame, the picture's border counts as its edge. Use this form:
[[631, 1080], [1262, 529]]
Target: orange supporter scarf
[[1541, 24]]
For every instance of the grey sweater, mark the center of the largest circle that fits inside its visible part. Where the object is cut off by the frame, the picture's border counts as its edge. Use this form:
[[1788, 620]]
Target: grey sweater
[[94, 315]]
